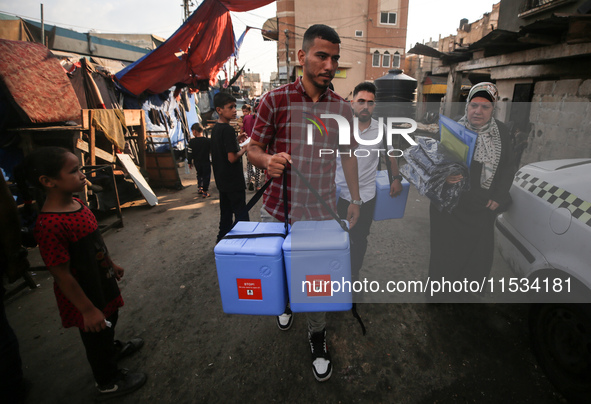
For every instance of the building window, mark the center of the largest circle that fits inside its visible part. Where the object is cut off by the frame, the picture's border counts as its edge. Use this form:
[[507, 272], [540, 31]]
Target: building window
[[359, 33], [396, 59], [386, 59], [376, 59], [388, 18]]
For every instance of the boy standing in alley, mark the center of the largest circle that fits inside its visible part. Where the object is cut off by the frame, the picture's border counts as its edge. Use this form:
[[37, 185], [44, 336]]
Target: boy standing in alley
[[226, 158], [199, 149]]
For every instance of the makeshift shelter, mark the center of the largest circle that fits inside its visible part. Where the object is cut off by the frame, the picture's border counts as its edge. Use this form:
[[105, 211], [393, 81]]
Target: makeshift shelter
[[169, 117], [193, 55], [26, 69], [40, 108], [94, 88]]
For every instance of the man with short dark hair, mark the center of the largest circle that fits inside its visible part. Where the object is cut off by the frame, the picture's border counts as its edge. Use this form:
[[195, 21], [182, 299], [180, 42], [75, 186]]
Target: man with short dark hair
[[363, 104], [279, 141]]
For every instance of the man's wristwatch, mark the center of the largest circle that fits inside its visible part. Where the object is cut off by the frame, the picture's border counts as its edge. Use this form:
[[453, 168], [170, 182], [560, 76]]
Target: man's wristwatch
[[397, 177], [359, 202]]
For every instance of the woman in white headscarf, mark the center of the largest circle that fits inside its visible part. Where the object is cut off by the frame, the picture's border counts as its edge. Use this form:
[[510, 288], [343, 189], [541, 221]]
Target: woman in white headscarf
[[462, 242]]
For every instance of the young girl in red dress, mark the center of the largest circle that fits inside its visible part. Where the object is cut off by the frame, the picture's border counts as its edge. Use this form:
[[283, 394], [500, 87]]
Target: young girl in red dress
[[85, 276]]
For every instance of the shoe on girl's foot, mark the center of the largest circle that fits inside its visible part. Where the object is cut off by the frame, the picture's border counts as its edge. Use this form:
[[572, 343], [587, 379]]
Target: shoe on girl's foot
[[128, 348], [124, 383]]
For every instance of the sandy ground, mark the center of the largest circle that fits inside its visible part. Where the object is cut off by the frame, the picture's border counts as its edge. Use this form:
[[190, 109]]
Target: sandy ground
[[194, 353]]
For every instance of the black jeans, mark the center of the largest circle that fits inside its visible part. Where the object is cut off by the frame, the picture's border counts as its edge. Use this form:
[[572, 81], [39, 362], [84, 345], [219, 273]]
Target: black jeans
[[203, 176], [231, 205], [101, 351], [359, 232], [11, 373]]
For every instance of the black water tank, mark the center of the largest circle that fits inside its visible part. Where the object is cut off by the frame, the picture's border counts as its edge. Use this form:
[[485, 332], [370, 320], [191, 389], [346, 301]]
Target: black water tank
[[395, 95]]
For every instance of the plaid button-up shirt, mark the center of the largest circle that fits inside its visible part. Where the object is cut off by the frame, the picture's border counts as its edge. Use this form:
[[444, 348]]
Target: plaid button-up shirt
[[287, 119]]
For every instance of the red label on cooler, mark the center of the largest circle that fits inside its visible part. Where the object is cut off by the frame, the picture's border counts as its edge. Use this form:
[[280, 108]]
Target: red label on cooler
[[249, 289], [318, 285]]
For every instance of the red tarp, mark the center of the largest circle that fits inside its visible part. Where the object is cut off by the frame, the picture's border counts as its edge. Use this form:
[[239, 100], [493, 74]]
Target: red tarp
[[37, 82], [195, 52]]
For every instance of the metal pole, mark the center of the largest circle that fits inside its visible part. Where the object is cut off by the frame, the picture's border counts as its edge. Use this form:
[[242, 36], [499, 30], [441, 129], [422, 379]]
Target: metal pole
[[42, 26], [286, 32], [187, 6]]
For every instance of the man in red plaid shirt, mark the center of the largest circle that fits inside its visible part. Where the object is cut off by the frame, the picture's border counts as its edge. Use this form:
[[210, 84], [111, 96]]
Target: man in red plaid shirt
[[281, 138]]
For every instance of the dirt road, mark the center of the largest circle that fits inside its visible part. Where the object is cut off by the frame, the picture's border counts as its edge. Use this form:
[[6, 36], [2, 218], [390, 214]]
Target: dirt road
[[194, 353]]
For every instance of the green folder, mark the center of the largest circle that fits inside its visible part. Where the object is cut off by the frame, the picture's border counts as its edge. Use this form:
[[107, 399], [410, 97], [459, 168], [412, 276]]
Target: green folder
[[454, 145]]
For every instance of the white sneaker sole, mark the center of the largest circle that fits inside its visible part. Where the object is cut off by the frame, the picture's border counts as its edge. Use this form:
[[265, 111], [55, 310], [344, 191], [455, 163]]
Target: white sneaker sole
[[322, 379]]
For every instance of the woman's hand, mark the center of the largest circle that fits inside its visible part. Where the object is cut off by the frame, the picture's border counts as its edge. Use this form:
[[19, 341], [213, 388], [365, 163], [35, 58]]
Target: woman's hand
[[492, 205], [454, 179]]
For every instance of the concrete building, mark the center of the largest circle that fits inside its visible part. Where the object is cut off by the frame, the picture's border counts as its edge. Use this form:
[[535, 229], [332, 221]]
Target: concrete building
[[424, 59], [540, 60], [373, 37], [468, 33], [414, 62], [252, 84]]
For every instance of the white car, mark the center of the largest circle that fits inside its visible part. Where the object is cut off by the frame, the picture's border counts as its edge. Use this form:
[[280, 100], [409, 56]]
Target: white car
[[545, 237]]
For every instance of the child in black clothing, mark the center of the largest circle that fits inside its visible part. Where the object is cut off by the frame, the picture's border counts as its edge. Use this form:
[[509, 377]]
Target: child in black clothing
[[85, 277], [226, 158], [199, 149]]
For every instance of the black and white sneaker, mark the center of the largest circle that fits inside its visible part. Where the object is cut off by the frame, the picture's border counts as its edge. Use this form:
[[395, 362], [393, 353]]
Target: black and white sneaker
[[321, 363], [124, 383], [285, 320]]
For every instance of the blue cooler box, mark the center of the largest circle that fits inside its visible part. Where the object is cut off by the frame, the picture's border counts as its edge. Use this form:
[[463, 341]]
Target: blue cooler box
[[386, 207], [251, 272], [316, 254]]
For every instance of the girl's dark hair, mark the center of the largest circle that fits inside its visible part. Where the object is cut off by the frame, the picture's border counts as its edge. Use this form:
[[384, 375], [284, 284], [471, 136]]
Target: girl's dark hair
[[44, 161]]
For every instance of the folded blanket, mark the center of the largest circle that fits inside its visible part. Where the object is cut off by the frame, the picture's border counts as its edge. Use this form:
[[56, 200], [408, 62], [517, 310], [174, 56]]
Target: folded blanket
[[428, 166]]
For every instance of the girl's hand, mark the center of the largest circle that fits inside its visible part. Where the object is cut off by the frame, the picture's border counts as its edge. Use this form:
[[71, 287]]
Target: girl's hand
[[94, 320], [118, 271]]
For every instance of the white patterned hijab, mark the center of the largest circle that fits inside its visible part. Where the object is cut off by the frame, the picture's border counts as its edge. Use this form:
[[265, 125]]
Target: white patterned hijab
[[488, 143]]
